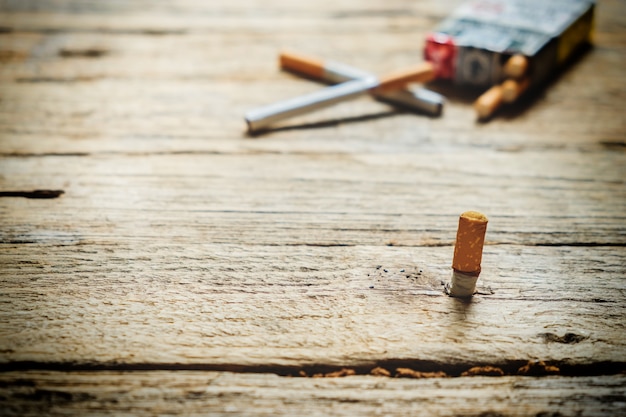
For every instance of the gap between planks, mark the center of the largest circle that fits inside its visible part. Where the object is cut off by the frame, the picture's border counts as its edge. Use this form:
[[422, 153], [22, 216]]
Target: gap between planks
[[388, 367]]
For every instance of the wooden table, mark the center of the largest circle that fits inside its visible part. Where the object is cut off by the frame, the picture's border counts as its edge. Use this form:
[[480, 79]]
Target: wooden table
[[190, 269]]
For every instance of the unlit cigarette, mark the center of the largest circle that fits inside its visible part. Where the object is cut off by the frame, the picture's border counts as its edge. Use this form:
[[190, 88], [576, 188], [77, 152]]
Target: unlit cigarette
[[512, 89], [516, 66], [488, 102], [264, 116], [468, 253], [334, 72]]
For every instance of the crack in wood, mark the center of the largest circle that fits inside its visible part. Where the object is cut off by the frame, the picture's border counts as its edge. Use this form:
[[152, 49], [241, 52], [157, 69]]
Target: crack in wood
[[36, 194], [95, 30], [614, 144], [567, 338], [26, 80], [399, 368], [582, 244], [40, 155], [83, 53]]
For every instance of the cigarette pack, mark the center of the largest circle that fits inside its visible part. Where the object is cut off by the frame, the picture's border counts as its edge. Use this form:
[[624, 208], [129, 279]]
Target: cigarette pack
[[473, 44]]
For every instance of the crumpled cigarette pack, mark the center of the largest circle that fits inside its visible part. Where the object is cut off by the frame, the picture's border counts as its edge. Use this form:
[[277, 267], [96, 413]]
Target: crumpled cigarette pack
[[473, 44]]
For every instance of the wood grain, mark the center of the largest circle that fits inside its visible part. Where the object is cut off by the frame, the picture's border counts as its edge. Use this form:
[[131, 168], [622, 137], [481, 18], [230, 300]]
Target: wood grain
[[180, 243], [225, 394], [254, 259]]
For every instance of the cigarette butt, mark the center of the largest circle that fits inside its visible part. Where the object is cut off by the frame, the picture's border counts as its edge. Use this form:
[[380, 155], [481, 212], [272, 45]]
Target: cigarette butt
[[421, 73], [262, 117], [302, 64], [470, 238], [333, 72], [468, 253], [488, 102], [516, 66], [512, 89]]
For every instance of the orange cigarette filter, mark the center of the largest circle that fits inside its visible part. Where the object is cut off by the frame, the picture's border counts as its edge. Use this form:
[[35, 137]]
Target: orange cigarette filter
[[512, 89], [421, 73], [470, 239], [516, 66], [301, 63], [488, 102]]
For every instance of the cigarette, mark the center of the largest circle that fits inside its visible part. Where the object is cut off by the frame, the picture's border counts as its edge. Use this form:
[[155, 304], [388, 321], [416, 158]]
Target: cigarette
[[488, 102], [468, 253], [512, 89], [516, 66], [332, 72], [264, 116]]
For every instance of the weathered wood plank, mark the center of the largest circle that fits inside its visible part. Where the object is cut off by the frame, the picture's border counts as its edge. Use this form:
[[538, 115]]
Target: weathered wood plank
[[164, 302], [539, 198], [218, 314], [220, 394], [205, 258]]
